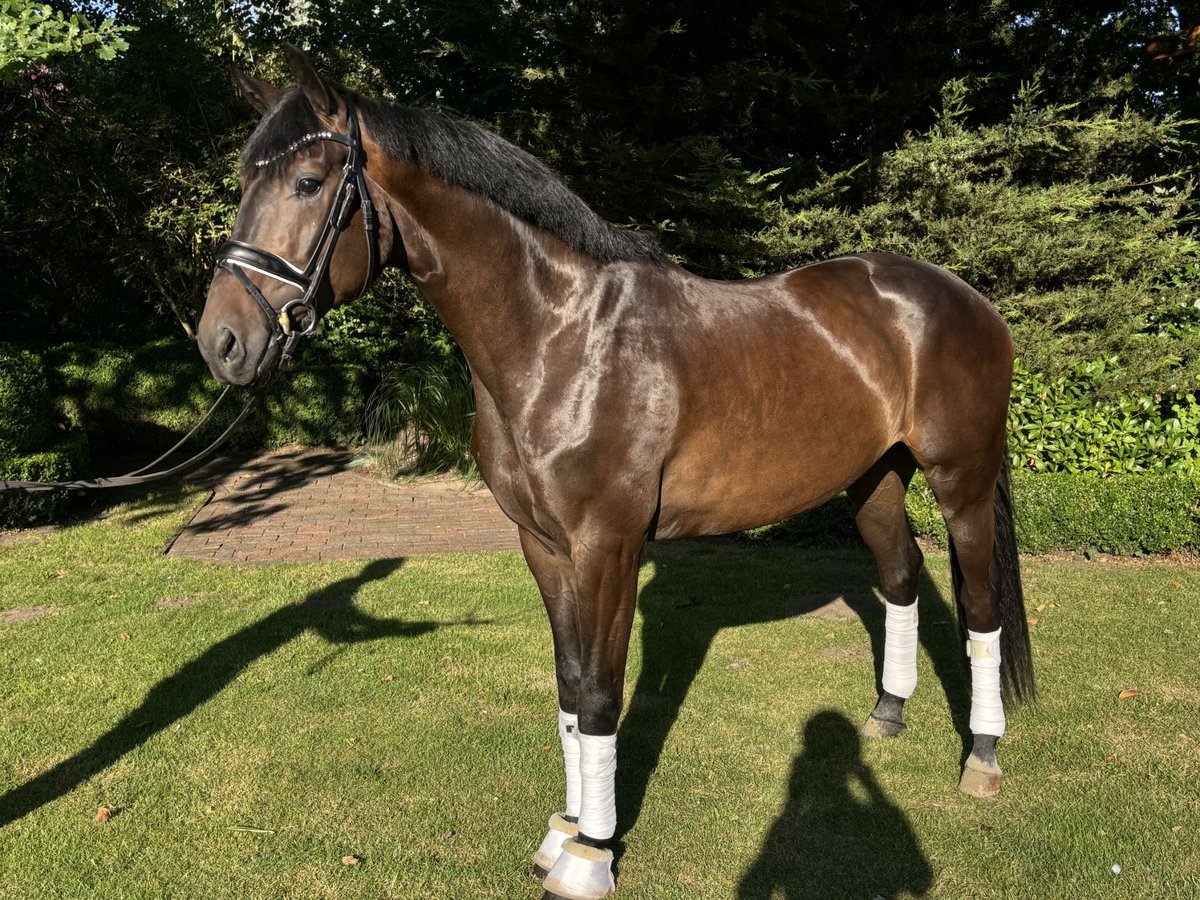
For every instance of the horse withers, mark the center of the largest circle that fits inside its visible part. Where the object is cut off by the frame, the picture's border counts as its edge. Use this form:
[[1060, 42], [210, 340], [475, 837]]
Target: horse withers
[[622, 399]]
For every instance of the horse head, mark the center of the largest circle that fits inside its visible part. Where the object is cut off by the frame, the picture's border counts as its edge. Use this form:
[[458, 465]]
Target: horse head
[[289, 260]]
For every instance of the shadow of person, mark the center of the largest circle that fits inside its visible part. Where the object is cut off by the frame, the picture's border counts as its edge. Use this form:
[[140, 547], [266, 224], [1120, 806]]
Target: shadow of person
[[329, 612], [700, 588], [838, 834]]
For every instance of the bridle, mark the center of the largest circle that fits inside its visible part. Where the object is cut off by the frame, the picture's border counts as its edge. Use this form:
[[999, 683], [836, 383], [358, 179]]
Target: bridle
[[237, 256]]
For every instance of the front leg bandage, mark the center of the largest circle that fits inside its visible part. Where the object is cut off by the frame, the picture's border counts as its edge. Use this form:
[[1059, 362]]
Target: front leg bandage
[[568, 734], [598, 771], [900, 650]]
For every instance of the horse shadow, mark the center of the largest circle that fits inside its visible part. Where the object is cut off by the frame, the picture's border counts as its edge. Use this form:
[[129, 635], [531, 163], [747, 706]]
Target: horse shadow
[[329, 612], [838, 831], [701, 588]]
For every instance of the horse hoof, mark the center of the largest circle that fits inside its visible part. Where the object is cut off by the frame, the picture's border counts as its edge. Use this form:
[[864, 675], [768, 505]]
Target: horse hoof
[[559, 831], [581, 873], [980, 778], [881, 728]]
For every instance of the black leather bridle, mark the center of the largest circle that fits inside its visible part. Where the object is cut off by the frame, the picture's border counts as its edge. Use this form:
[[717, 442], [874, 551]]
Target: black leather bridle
[[237, 256]]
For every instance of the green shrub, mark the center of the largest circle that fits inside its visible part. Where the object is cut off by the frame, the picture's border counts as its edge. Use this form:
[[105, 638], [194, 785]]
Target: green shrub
[[147, 396], [420, 418], [1118, 514], [26, 413], [313, 404], [1057, 424], [65, 461]]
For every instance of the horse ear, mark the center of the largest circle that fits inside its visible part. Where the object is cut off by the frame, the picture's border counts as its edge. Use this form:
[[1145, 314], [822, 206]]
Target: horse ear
[[322, 99], [262, 96]]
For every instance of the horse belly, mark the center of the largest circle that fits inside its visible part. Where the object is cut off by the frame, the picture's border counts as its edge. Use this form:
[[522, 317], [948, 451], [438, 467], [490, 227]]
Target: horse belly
[[764, 455]]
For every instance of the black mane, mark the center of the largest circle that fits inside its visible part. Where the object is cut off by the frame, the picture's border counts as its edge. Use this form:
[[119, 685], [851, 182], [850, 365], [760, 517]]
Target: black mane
[[464, 155]]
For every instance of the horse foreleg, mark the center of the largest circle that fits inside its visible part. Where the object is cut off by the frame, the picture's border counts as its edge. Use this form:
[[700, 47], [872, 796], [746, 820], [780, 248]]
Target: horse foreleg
[[600, 596]]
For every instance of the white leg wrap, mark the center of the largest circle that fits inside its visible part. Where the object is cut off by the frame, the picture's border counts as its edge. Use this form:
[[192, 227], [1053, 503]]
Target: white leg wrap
[[568, 734], [598, 766], [900, 650], [987, 710]]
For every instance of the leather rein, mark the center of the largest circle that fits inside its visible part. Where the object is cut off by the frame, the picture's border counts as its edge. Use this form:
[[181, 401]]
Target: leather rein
[[296, 319]]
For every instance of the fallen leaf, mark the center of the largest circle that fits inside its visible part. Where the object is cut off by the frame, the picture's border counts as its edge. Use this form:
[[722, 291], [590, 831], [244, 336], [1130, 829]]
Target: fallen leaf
[[387, 678], [1127, 693], [124, 635], [350, 860], [546, 747], [1112, 757], [104, 813], [1176, 584], [984, 826], [1033, 620], [1039, 607], [1175, 829]]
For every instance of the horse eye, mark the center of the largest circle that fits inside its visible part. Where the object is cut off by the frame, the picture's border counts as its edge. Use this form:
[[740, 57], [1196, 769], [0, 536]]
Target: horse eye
[[308, 185]]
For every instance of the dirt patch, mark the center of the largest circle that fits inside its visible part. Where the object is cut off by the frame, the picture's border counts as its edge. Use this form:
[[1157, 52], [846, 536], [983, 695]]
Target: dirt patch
[[20, 536], [837, 607], [24, 614]]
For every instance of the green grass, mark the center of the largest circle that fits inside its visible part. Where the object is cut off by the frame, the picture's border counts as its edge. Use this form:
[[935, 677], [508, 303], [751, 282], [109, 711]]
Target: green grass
[[401, 711]]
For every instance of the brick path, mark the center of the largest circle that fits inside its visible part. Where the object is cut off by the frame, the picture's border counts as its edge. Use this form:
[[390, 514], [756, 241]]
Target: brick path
[[305, 505]]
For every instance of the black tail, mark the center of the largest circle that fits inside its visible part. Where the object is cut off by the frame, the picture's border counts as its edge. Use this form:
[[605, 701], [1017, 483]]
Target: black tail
[[1016, 657]]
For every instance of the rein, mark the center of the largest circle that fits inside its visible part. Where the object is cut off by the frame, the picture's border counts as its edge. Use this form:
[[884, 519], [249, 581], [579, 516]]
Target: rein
[[235, 257]]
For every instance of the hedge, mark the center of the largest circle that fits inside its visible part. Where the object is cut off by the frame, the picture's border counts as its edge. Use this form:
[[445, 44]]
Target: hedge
[[1125, 514], [65, 461], [26, 413], [146, 396]]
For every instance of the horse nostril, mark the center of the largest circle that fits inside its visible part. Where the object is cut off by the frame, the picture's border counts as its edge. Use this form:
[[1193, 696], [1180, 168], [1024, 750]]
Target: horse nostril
[[228, 346]]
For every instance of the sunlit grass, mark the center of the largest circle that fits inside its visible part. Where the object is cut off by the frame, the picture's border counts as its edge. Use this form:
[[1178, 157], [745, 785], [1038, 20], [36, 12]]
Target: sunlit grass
[[252, 726]]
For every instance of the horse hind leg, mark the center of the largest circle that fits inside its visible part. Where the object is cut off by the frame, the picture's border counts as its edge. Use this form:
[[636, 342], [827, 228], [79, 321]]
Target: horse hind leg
[[878, 498], [987, 586]]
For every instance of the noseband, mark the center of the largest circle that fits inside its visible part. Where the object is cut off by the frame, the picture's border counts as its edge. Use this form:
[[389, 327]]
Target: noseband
[[236, 256]]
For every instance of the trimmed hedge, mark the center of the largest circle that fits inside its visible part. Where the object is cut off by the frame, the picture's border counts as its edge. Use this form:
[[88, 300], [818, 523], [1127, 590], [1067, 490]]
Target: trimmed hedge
[[65, 461], [124, 398], [27, 417], [1147, 513]]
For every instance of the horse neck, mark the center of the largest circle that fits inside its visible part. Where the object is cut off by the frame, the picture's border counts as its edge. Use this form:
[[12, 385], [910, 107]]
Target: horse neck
[[499, 285]]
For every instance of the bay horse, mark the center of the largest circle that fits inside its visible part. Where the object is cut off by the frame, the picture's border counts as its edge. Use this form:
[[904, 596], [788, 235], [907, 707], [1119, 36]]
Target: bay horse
[[622, 399]]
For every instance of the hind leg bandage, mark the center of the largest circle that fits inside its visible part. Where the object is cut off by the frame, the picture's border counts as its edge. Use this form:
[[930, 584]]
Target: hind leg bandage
[[987, 709]]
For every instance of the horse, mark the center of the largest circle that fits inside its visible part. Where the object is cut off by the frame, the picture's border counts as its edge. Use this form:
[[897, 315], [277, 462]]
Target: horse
[[622, 399]]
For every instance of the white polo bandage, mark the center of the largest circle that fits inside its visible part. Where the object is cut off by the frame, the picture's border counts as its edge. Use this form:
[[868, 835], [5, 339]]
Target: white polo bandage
[[568, 734], [900, 650], [987, 709], [598, 768]]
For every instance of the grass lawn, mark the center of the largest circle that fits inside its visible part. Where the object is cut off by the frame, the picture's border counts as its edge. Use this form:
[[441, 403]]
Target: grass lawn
[[252, 726]]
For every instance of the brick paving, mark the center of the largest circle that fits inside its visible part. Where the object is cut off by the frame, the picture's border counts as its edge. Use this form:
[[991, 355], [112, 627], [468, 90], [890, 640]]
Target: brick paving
[[307, 506]]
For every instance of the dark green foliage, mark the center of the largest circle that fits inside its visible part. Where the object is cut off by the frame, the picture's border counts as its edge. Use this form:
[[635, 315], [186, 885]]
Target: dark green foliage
[[67, 460], [142, 399], [317, 404], [419, 420], [26, 414]]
